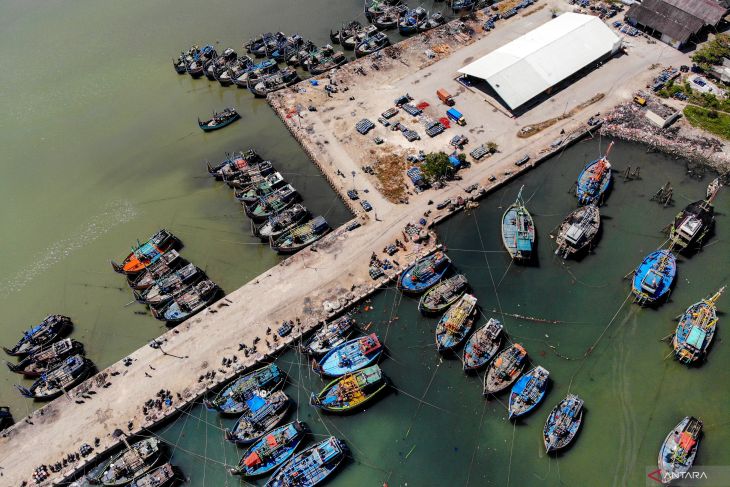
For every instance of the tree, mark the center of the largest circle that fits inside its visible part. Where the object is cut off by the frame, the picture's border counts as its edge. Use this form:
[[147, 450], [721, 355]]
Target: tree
[[492, 146], [436, 166]]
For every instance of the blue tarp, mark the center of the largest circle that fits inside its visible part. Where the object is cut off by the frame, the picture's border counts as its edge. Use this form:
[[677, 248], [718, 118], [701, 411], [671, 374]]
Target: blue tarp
[[455, 161]]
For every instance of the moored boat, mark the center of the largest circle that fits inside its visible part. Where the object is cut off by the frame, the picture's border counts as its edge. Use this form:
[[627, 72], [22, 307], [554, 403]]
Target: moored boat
[[578, 231], [483, 345], [267, 185], [200, 58], [301, 236], [312, 466], [325, 64], [696, 330], [231, 400], [351, 391], [244, 178], [233, 163], [424, 273], [713, 187], [272, 450], [255, 71], [594, 180], [165, 265], [354, 33], [260, 415], [131, 463], [170, 286], [518, 230], [410, 21], [234, 69], [528, 391], [330, 335], [443, 294], [458, 6], [372, 44], [457, 322], [162, 476], [219, 120], [435, 20], [189, 302], [277, 225], [218, 66], [563, 423], [147, 253], [677, 453], [68, 374], [505, 369], [47, 331], [654, 277], [259, 46], [47, 357], [272, 204], [350, 356], [692, 225], [260, 87], [388, 19]]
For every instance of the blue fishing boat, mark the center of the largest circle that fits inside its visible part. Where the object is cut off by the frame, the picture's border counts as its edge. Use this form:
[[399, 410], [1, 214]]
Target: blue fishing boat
[[594, 180], [483, 345], [263, 411], [67, 375], [271, 451], [331, 335], [677, 454], [457, 322], [424, 273], [410, 22], [254, 71], [563, 423], [311, 466], [518, 230], [219, 120], [696, 329], [232, 399], [527, 392], [654, 277], [350, 356], [189, 302], [47, 331]]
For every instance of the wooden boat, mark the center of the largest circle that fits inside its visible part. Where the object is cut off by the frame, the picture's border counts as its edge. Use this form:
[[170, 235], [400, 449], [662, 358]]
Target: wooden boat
[[696, 330], [677, 454], [272, 204], [594, 180], [277, 225], [188, 303], [46, 332], [181, 63], [170, 286], [528, 391], [267, 185], [692, 225], [219, 65], [272, 450], [234, 69], [409, 22], [196, 66], [246, 177], [350, 356], [505, 369], [261, 87], [258, 70], [563, 423], [131, 464], [260, 415], [232, 399], [372, 44], [285, 47], [388, 19], [330, 335], [483, 345], [219, 120], [301, 236], [713, 188], [264, 43], [351, 391], [518, 230], [578, 231], [327, 63], [453, 328], [168, 263], [6, 417], [458, 6], [67, 375], [442, 295], [47, 357], [301, 56], [424, 273], [352, 34], [435, 20], [162, 476], [312, 466], [233, 164], [654, 277], [147, 253]]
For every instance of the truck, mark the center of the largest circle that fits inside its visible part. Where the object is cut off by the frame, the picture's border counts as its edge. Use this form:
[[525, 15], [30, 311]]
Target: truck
[[445, 97], [456, 116]]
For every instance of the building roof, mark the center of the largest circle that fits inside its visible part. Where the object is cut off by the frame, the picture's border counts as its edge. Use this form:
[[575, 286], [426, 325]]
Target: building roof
[[545, 56], [709, 11], [678, 19]]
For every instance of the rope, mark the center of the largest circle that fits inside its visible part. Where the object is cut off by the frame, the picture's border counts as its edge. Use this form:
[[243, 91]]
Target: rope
[[420, 401], [511, 448]]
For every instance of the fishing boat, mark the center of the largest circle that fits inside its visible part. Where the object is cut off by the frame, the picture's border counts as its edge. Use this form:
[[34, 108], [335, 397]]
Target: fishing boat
[[260, 415], [528, 391], [6, 417], [147, 253], [67, 375], [234, 69], [563, 423], [301, 236], [268, 185], [330, 335], [243, 179], [268, 84], [220, 64], [457, 322], [162, 476], [434, 20], [181, 63], [47, 357], [505, 369], [352, 35], [168, 263], [170, 286], [654, 277], [350, 356], [372, 44], [409, 22], [47, 331], [442, 295], [231, 400], [219, 120], [351, 391], [458, 6], [424, 273], [264, 43], [713, 187], [518, 230], [483, 345], [272, 204], [189, 302], [272, 450], [255, 71], [131, 464], [277, 225], [692, 225], [677, 454], [696, 330], [312, 466], [285, 47], [324, 64], [196, 66], [578, 231], [594, 180], [388, 19], [234, 163]]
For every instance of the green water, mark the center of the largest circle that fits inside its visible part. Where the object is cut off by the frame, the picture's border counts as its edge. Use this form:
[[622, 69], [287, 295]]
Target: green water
[[100, 148]]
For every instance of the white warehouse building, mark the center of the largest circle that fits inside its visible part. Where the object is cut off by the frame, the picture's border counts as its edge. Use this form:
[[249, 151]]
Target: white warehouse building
[[532, 64]]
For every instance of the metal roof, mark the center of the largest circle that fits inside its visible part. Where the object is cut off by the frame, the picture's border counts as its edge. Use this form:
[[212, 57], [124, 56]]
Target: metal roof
[[678, 19], [709, 11], [545, 56]]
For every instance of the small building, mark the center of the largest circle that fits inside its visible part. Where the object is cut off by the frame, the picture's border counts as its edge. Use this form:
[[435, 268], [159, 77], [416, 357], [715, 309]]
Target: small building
[[535, 63], [676, 22]]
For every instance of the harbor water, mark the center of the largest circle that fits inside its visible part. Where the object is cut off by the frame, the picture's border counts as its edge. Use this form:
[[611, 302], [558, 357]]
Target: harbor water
[[101, 148]]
